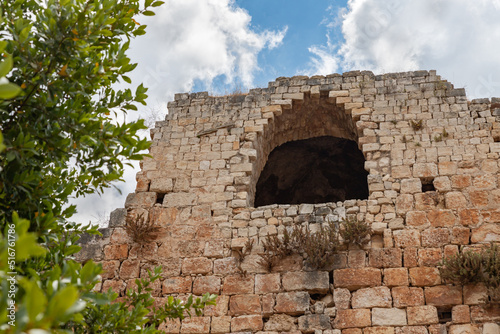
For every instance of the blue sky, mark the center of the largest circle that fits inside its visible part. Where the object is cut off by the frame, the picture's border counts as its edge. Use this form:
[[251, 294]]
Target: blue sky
[[222, 45]]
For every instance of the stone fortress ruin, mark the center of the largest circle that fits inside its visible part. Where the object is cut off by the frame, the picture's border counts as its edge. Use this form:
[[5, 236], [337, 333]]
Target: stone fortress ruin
[[406, 153]]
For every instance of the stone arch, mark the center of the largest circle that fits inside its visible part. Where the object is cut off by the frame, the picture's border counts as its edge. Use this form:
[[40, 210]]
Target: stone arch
[[303, 117]]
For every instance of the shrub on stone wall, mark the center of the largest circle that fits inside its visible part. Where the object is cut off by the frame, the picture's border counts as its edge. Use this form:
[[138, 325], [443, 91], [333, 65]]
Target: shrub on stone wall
[[475, 266], [141, 229], [355, 231], [318, 247]]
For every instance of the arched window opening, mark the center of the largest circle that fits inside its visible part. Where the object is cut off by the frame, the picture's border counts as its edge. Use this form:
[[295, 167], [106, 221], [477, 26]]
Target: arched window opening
[[316, 170]]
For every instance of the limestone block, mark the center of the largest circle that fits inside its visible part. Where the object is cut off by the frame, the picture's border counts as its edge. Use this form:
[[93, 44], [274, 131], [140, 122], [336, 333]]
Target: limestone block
[[204, 284], [481, 313], [429, 257], [352, 331], [441, 218], [178, 200], [425, 276], [460, 314], [491, 328], [388, 317], [379, 330], [220, 325], [385, 258], [353, 318], [455, 200], [372, 297], [268, 302], [170, 326], [252, 323], [354, 279], [129, 269], [120, 236], [406, 238], [404, 203], [460, 235], [238, 284], [464, 329], [117, 217], [404, 296], [267, 283], [312, 322], [415, 330], [244, 304], [279, 323], [417, 219], [479, 198], [428, 169], [447, 168], [474, 294], [214, 249], [461, 181], [411, 186], [435, 237], [486, 233], [143, 200], [195, 325], [198, 265], [110, 269], [469, 217], [396, 277], [342, 298], [292, 303], [116, 252], [422, 315], [177, 285], [219, 309], [161, 185], [312, 281]]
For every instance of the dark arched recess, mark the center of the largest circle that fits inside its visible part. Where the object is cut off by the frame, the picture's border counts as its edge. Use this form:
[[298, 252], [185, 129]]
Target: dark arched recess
[[316, 170]]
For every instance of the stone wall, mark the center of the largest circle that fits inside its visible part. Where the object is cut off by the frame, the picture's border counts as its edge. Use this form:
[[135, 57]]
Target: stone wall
[[432, 158]]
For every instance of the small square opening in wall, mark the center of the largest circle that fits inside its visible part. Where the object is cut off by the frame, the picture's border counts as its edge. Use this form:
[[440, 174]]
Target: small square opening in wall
[[496, 139], [427, 184], [444, 315], [159, 198]]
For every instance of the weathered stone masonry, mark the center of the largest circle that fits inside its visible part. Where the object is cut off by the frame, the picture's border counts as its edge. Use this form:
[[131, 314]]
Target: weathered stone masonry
[[433, 189]]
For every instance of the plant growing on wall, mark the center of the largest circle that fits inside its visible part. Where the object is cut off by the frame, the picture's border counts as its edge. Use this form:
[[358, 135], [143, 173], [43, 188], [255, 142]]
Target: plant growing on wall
[[316, 247], [140, 229], [355, 232], [475, 266]]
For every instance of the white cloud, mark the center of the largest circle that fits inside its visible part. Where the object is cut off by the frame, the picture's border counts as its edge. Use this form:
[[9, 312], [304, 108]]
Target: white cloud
[[187, 41], [199, 40], [323, 62], [458, 38]]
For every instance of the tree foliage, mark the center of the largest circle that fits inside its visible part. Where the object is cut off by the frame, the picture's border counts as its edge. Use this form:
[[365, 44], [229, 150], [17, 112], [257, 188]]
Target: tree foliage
[[61, 62]]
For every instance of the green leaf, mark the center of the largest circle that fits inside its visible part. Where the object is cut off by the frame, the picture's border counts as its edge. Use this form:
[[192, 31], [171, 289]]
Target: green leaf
[[9, 91], [148, 13], [26, 247], [6, 66], [36, 301], [157, 3], [63, 300], [73, 249]]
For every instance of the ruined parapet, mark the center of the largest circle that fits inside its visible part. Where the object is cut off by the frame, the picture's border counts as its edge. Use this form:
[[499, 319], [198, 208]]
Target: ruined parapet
[[432, 188]]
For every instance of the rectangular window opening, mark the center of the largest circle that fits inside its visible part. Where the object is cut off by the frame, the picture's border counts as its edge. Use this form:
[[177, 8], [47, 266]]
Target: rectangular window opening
[[444, 315], [159, 198], [427, 184]]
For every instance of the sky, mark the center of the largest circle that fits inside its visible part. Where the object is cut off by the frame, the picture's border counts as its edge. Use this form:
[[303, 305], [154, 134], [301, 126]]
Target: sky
[[225, 45]]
